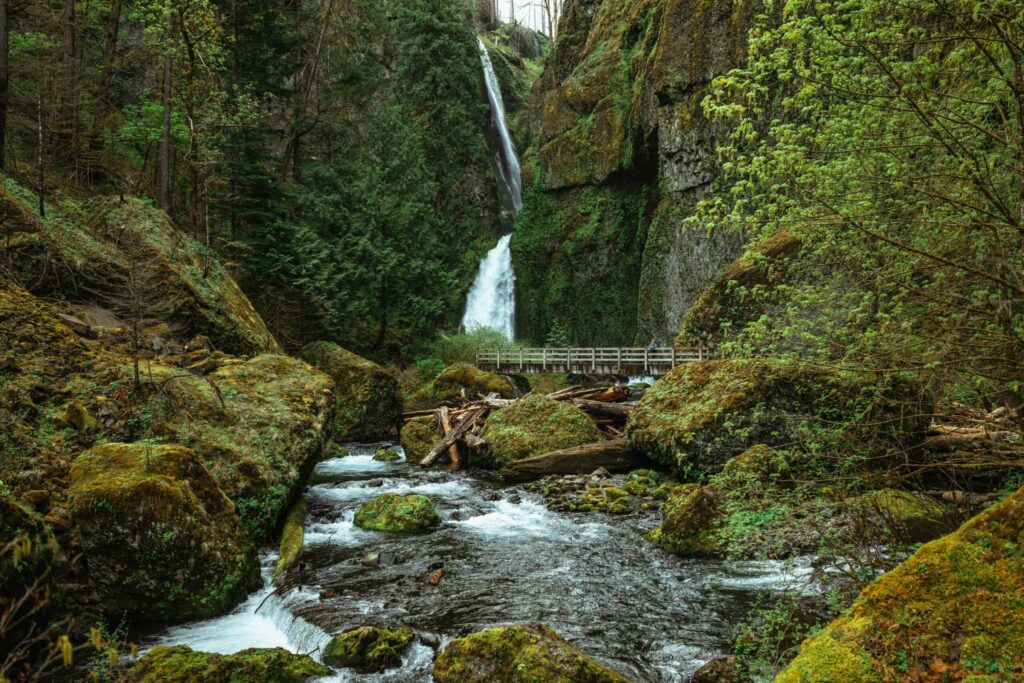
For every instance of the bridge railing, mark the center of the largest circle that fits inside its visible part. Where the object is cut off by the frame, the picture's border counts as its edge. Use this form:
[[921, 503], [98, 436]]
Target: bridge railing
[[595, 358]]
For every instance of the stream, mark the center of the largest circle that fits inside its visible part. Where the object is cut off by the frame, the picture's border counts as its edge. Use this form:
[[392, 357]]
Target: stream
[[506, 559]]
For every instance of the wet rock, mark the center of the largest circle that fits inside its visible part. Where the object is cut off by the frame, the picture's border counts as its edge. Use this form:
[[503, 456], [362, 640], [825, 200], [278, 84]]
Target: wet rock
[[375, 483], [393, 513], [431, 640], [434, 566], [721, 670], [493, 496], [600, 473], [515, 499], [519, 653], [181, 664], [328, 594], [382, 559], [368, 648], [386, 455]]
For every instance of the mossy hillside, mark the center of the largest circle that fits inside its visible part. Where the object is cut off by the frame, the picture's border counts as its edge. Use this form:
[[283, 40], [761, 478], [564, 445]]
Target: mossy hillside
[[79, 246], [952, 611], [368, 648], [533, 426], [28, 548], [742, 293], [368, 402], [160, 539], [516, 654], [701, 414], [577, 256], [419, 436], [291, 539], [393, 513], [476, 383], [181, 664]]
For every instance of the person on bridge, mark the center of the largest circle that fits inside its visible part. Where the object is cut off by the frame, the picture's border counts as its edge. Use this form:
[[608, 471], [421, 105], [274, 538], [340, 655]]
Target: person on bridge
[[653, 346]]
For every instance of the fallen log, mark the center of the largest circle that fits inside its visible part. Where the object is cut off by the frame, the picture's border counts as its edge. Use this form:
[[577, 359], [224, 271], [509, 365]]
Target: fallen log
[[955, 438], [446, 428], [452, 437], [616, 411], [615, 456]]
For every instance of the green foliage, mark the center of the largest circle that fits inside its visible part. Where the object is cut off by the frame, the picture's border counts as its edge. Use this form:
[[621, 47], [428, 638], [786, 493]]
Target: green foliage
[[452, 349]]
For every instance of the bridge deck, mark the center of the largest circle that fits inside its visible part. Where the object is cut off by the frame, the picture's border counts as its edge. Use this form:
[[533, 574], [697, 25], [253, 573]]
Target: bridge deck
[[594, 361]]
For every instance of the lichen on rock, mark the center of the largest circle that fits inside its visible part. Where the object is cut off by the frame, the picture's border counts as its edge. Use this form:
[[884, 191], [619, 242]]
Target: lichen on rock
[[160, 539], [368, 648], [393, 513], [181, 664], [533, 426], [519, 654], [368, 402], [419, 436]]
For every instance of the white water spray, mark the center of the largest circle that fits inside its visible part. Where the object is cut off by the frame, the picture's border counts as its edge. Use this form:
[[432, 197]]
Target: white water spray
[[492, 301]]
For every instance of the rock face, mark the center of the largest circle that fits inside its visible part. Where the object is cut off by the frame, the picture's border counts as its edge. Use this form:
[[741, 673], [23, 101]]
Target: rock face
[[533, 426], [701, 414], [393, 513], [952, 611], [368, 648], [516, 654], [160, 539], [621, 154], [368, 403], [90, 254], [180, 664]]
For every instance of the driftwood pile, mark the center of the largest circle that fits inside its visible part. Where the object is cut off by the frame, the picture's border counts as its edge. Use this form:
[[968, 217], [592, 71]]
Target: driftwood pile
[[461, 423]]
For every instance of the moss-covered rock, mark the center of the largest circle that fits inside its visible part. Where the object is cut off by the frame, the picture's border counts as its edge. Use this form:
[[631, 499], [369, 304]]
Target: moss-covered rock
[[368, 648], [291, 539], [533, 426], [519, 654], [181, 664], [367, 397], [701, 414], [393, 513], [386, 455], [689, 520], [475, 382], [419, 436], [952, 611], [912, 516], [160, 539]]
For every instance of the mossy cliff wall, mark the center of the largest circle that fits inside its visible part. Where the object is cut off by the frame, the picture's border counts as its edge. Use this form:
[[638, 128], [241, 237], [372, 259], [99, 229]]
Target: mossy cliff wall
[[621, 153]]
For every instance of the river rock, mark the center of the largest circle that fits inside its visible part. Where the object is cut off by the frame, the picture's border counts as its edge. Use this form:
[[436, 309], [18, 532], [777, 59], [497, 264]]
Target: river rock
[[689, 520], [393, 513], [181, 664], [476, 383], [160, 539], [368, 648], [386, 455], [533, 426], [368, 403], [419, 436], [725, 669], [528, 652]]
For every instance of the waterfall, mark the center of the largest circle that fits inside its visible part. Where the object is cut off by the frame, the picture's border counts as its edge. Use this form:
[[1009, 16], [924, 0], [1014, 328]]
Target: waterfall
[[492, 301]]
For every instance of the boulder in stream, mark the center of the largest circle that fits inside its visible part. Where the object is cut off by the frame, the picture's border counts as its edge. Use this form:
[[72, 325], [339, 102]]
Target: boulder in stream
[[368, 648], [393, 513], [291, 539], [160, 539], [181, 664], [475, 382], [419, 436], [689, 520], [534, 426], [510, 654]]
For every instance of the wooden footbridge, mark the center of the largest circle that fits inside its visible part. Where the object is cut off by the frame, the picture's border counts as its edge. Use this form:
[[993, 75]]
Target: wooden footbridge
[[615, 361]]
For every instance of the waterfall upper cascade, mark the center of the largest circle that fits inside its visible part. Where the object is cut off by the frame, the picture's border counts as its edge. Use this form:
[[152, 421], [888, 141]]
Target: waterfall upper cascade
[[491, 302]]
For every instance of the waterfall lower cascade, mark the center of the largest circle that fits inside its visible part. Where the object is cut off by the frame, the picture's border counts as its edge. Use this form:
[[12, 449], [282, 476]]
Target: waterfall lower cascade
[[492, 301]]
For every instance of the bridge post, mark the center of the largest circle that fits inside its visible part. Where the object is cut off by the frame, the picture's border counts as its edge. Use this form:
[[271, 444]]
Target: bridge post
[[618, 361], [520, 359], [544, 359], [593, 360], [499, 359], [700, 353], [647, 361], [673, 357]]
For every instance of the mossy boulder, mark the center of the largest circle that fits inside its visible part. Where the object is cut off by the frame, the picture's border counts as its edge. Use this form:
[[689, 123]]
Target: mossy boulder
[[914, 517], [419, 436], [367, 396], [181, 664], [689, 519], [386, 455], [368, 648], [160, 539], [533, 426], [518, 654], [702, 414], [291, 539], [952, 611], [393, 513], [476, 383]]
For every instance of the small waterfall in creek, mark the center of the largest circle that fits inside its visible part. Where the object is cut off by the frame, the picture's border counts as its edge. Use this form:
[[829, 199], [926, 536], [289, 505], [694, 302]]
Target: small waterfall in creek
[[492, 301]]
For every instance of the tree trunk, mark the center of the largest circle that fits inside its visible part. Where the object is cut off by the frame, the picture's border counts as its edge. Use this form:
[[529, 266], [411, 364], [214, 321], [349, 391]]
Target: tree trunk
[[452, 437], [110, 47], [71, 79], [5, 72], [615, 456], [164, 173], [616, 411]]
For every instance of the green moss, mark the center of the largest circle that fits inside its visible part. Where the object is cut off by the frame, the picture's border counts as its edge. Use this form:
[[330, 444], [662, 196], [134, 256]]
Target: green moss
[[386, 455], [954, 607], [368, 401], [419, 436], [533, 426], [291, 539], [475, 382], [913, 516], [689, 520], [393, 513], [368, 648], [180, 664], [519, 654], [161, 541]]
